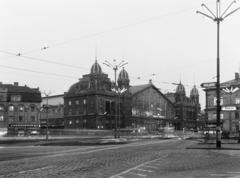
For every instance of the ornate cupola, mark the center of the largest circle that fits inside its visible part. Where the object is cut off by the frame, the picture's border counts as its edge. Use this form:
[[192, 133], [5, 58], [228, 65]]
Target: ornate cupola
[[180, 93], [96, 68], [194, 94], [123, 79], [96, 77]]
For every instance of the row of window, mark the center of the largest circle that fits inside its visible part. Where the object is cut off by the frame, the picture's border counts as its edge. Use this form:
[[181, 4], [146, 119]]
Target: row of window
[[20, 109], [223, 101], [84, 121], [100, 101], [76, 102], [15, 98], [20, 119], [221, 116]]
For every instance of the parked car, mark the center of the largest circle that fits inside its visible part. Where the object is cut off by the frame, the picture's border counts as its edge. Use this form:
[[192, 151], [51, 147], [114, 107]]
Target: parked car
[[34, 132]]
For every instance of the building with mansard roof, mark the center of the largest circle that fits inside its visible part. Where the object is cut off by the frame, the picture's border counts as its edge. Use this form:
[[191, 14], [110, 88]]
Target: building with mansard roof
[[91, 103], [229, 96], [19, 108]]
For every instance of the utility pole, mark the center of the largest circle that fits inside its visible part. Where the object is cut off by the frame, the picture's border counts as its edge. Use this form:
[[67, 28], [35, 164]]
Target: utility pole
[[47, 95]]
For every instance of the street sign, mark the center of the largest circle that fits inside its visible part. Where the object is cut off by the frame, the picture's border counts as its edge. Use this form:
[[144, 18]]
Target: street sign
[[229, 108], [208, 85]]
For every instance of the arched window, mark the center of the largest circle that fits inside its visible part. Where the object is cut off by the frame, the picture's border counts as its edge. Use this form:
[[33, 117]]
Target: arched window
[[2, 108], [11, 113], [11, 108], [21, 113], [107, 106], [113, 107], [96, 84], [20, 108]]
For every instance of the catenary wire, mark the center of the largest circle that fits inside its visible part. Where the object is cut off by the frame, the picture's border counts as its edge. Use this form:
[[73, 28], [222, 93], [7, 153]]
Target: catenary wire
[[106, 31], [37, 76], [37, 71], [188, 65], [136, 78]]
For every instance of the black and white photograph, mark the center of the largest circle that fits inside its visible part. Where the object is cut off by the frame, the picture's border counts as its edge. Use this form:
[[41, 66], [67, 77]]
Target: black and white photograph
[[120, 89]]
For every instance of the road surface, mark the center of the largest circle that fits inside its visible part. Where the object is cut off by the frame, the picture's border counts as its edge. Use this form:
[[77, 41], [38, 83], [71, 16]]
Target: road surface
[[140, 159]]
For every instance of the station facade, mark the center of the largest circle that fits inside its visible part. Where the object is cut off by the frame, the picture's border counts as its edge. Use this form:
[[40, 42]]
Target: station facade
[[91, 103], [188, 109]]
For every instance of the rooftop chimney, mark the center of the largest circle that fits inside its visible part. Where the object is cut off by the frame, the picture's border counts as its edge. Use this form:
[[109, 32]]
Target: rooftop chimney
[[0, 83], [15, 83], [236, 76], [150, 81]]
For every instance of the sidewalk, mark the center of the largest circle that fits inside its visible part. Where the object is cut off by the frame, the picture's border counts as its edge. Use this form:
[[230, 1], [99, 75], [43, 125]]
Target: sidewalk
[[226, 144], [61, 141], [80, 140]]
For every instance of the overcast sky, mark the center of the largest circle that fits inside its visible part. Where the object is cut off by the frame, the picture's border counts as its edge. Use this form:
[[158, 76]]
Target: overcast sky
[[162, 40]]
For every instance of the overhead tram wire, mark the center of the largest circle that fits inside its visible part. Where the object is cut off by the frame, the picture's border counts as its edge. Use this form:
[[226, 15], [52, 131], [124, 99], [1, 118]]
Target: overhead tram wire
[[71, 76], [135, 78], [106, 31], [35, 76], [186, 66], [42, 60], [37, 72]]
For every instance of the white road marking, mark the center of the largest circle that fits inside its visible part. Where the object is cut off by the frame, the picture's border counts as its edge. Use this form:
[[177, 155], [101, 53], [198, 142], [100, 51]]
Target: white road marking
[[151, 166], [48, 167], [143, 170], [120, 177], [137, 174], [137, 167], [156, 164]]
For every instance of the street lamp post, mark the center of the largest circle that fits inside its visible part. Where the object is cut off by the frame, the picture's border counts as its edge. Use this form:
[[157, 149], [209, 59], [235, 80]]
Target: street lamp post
[[119, 93], [218, 18], [47, 95], [115, 67]]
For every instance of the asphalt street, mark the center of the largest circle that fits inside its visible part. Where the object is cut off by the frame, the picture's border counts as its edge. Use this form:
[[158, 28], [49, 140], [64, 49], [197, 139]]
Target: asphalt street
[[145, 158]]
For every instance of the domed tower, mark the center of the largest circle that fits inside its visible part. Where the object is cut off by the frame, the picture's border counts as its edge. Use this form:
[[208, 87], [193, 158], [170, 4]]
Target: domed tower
[[96, 76], [180, 93], [96, 68], [194, 95], [123, 80]]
